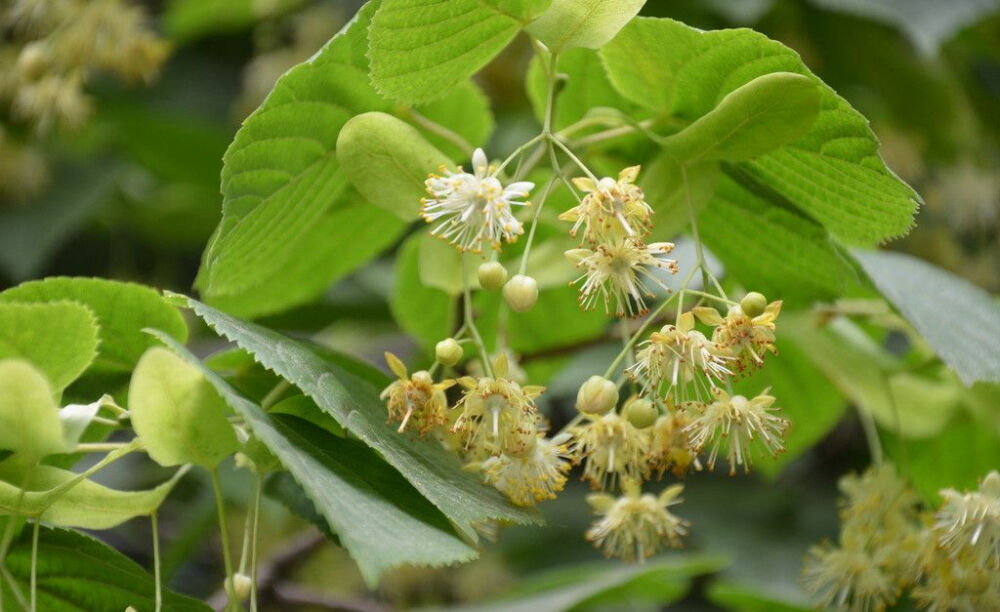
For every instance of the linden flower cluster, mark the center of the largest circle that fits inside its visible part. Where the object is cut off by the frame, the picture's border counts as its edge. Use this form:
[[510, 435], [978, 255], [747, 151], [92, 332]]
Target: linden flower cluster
[[948, 561]]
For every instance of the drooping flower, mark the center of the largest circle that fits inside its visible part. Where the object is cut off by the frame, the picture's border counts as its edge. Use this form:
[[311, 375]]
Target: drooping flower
[[473, 208], [742, 423], [622, 271], [747, 338], [681, 359], [611, 209], [532, 476], [669, 446], [849, 579], [971, 521], [416, 399], [611, 448], [635, 525]]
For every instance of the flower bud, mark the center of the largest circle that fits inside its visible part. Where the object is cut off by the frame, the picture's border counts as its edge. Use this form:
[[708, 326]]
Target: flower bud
[[448, 352], [753, 304], [492, 275], [239, 585], [520, 293], [597, 396], [640, 412], [33, 59]]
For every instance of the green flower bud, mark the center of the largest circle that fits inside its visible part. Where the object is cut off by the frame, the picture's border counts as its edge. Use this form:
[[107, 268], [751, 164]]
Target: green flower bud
[[640, 412], [597, 396], [492, 275], [753, 304], [448, 352], [239, 585], [520, 293]]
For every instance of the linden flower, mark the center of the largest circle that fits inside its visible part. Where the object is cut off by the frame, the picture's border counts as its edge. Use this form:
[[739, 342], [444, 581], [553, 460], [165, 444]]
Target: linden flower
[[497, 414], [747, 338], [957, 583], [415, 399], [879, 506], [669, 447], [474, 207], [742, 422], [623, 271], [612, 448], [848, 579], [972, 521], [611, 209], [676, 356], [635, 525], [532, 477]]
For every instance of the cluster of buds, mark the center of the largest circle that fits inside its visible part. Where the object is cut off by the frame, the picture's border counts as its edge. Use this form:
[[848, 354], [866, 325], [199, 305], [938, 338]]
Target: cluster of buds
[[948, 560], [617, 265]]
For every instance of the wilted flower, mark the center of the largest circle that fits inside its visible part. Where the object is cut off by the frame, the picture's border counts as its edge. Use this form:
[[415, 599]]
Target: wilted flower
[[747, 338], [634, 525], [741, 422], [611, 448], [474, 207], [622, 271], [611, 209], [533, 476], [415, 399]]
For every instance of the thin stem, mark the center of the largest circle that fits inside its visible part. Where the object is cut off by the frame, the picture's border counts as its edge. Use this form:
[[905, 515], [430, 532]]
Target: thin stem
[[534, 223], [638, 333], [100, 447], [16, 590], [34, 564], [573, 157], [871, 435], [272, 396], [254, 542], [550, 95], [107, 422], [710, 296], [157, 573], [517, 152], [436, 128], [227, 558], [706, 274], [471, 323]]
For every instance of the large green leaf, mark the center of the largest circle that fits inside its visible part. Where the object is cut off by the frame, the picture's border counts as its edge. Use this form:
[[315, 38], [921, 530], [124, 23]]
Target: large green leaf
[[583, 23], [377, 515], [960, 321], [737, 597], [60, 339], [177, 414], [387, 160], [67, 499], [766, 113], [421, 49], [833, 173], [29, 419], [424, 312], [354, 403], [122, 311], [771, 249], [674, 189], [522, 10], [77, 572]]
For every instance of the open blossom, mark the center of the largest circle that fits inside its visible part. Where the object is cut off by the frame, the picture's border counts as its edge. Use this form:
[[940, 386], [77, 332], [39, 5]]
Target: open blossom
[[533, 476], [682, 359], [743, 423], [611, 448], [621, 271], [415, 400], [634, 525], [669, 447], [971, 521], [610, 209], [849, 578], [747, 338], [472, 208]]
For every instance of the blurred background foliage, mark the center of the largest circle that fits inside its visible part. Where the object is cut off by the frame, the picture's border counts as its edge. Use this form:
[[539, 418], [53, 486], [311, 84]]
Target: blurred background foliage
[[114, 116]]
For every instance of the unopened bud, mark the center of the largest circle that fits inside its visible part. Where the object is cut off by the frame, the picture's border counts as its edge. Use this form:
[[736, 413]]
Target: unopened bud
[[32, 60], [520, 293], [597, 396], [239, 585], [492, 275], [753, 304], [640, 412], [448, 352]]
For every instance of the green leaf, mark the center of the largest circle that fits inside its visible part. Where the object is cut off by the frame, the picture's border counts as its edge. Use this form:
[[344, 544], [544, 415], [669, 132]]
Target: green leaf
[[766, 113], [59, 338], [833, 173], [378, 516], [388, 160], [522, 10], [738, 598], [78, 572], [29, 420], [67, 499], [465, 111], [534, 330], [177, 414], [421, 49], [673, 190], [578, 586], [771, 249], [583, 23], [587, 87], [440, 265], [424, 312], [354, 403], [122, 311], [960, 321]]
